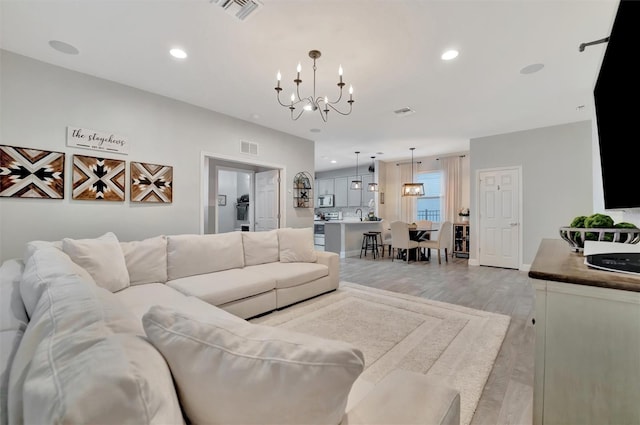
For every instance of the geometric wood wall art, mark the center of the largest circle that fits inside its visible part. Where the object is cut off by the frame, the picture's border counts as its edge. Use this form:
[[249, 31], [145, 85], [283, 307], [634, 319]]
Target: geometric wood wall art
[[98, 178], [31, 173], [151, 183]]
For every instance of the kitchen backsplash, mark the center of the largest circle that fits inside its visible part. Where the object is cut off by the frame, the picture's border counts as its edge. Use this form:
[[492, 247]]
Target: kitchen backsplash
[[346, 212]]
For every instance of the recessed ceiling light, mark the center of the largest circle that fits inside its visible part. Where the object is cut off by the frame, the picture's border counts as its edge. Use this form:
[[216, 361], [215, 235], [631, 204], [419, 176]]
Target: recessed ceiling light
[[449, 54], [333, 161], [63, 47], [178, 53], [315, 130], [530, 69]]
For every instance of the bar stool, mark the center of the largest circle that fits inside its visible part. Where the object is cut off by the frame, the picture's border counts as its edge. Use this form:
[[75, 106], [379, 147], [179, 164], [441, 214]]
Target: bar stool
[[369, 241], [379, 241]]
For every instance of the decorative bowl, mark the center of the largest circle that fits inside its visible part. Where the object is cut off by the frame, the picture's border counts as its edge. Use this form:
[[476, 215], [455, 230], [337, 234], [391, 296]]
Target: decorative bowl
[[577, 235]]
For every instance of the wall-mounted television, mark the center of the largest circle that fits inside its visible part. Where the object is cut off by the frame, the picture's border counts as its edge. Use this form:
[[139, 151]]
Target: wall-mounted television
[[616, 92]]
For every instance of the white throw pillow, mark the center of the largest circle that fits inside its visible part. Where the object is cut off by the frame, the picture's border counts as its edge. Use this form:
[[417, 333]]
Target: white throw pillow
[[234, 373], [296, 245], [102, 258], [146, 260], [260, 247]]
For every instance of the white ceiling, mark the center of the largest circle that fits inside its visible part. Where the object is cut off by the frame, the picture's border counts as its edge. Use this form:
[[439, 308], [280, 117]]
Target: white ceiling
[[390, 51]]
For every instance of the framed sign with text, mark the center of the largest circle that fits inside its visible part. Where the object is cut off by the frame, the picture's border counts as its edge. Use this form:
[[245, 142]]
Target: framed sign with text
[[84, 138]]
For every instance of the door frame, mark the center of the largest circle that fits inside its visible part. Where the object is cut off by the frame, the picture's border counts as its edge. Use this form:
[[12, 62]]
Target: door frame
[[204, 182], [476, 218], [251, 191]]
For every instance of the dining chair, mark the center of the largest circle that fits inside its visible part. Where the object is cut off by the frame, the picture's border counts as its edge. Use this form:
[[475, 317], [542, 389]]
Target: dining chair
[[386, 241], [400, 239], [443, 241]]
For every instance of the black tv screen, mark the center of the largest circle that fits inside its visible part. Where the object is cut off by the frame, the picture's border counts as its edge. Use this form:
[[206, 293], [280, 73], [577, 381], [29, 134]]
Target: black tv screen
[[616, 94]]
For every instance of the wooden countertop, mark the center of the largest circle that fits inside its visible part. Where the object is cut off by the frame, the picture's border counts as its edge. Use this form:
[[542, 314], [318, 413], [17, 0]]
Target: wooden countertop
[[556, 261]]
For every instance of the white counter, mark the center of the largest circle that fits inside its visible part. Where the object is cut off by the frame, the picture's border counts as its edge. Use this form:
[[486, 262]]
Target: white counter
[[344, 237]]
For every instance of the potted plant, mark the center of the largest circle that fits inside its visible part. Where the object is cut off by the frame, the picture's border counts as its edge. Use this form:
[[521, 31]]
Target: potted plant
[[463, 213]]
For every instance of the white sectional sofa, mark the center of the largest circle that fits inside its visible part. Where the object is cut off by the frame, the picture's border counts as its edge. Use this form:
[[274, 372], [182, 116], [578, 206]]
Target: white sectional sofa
[[98, 331]]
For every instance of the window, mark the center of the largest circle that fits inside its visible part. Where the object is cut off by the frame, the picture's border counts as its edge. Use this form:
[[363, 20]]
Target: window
[[430, 205]]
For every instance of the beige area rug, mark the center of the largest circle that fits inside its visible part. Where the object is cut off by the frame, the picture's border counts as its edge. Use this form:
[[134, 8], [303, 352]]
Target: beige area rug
[[453, 344]]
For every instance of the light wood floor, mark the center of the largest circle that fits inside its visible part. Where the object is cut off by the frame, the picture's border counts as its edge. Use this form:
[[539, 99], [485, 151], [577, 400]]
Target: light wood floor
[[508, 394]]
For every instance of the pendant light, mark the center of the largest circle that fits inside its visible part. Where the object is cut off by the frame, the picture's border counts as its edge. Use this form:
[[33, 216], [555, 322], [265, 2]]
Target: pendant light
[[373, 186], [357, 183], [412, 189]]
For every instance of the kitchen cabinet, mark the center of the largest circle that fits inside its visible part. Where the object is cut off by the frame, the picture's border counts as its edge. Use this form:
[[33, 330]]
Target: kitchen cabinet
[[341, 187], [587, 351], [325, 186]]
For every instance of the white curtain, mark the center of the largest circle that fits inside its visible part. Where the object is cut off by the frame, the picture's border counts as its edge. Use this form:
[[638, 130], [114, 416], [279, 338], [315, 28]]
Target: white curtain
[[408, 204], [452, 182]]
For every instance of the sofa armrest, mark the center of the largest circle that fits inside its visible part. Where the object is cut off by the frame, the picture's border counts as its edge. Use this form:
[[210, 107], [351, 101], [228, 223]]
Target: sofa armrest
[[331, 260], [405, 398]]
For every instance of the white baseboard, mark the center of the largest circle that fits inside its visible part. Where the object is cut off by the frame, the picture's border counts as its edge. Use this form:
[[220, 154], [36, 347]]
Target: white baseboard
[[474, 262], [525, 267]]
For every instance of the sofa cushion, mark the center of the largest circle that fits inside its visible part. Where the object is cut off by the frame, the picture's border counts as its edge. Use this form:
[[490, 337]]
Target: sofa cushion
[[225, 286], [189, 255], [276, 376], [140, 298], [287, 275], [13, 322], [43, 264], [83, 359], [102, 258], [146, 260], [296, 245], [260, 247]]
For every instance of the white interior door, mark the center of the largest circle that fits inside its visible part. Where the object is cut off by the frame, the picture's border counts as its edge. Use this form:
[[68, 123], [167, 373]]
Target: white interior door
[[267, 200], [499, 219]]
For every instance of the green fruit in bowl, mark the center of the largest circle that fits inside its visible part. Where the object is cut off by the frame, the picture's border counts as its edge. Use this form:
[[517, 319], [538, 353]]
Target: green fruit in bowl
[[577, 222], [598, 221]]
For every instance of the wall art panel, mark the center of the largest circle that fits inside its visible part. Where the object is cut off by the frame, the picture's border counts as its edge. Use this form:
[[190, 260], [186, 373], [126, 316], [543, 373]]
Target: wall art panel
[[31, 173], [98, 179], [151, 183]]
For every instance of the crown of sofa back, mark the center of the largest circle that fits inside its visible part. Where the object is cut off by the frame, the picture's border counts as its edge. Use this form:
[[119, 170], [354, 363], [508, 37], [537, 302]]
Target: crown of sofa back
[[163, 258]]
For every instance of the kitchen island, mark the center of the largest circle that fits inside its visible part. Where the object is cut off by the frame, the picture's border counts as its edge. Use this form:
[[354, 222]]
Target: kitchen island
[[344, 237]]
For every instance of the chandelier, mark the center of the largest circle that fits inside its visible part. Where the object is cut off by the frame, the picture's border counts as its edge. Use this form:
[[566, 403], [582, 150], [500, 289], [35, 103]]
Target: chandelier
[[373, 186], [413, 188], [356, 184], [313, 103]]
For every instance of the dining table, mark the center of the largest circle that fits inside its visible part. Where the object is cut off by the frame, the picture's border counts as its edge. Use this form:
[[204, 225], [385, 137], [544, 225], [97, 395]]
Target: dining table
[[419, 234]]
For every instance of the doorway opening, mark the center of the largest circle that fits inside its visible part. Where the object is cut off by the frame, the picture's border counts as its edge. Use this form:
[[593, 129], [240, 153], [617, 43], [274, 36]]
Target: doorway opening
[[240, 195]]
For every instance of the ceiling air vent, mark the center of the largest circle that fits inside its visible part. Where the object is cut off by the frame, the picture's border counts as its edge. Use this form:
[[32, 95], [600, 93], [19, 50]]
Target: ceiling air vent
[[403, 112], [241, 9], [249, 148]]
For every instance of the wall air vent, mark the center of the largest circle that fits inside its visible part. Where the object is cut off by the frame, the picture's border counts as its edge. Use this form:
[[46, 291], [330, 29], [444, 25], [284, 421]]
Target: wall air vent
[[249, 148], [403, 112], [241, 9]]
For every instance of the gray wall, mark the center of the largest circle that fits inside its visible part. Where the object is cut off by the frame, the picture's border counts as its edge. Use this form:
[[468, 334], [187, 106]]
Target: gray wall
[[38, 101], [556, 178]]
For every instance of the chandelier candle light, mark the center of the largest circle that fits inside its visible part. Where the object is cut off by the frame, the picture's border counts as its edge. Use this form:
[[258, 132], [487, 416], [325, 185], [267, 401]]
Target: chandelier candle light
[[412, 189], [313, 103]]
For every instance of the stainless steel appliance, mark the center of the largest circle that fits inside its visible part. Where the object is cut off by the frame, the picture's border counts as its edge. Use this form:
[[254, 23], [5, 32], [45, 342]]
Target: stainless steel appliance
[[325, 201], [318, 234]]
